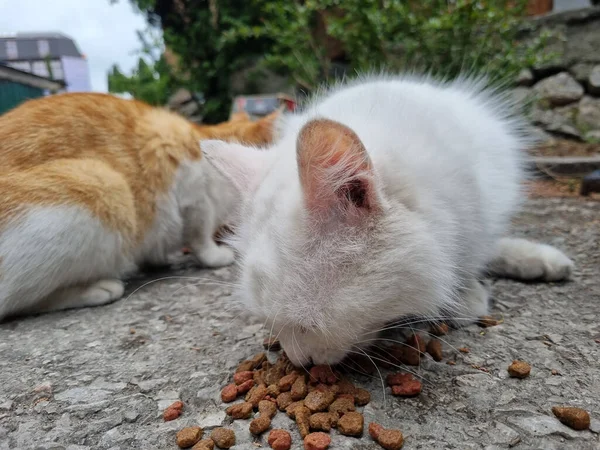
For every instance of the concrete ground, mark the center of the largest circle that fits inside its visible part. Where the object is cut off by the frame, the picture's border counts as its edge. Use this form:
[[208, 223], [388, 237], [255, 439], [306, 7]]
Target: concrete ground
[[100, 378]]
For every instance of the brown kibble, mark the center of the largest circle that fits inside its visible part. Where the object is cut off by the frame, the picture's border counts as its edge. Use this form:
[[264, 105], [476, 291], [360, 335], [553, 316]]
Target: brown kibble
[[256, 394], [555, 372], [245, 366], [252, 364], [273, 390], [398, 378], [223, 437], [258, 359], [229, 393], [299, 389], [416, 342], [173, 411], [388, 439], [286, 382], [291, 409], [464, 350], [519, 369], [242, 377], [440, 329], [319, 400], [302, 418], [575, 418], [317, 441], [351, 424], [245, 387], [267, 408], [205, 444], [342, 406], [434, 348], [240, 411], [487, 321], [272, 344], [260, 424], [362, 397], [280, 440], [408, 389], [188, 436], [451, 363], [345, 387], [323, 421], [284, 400], [323, 374]]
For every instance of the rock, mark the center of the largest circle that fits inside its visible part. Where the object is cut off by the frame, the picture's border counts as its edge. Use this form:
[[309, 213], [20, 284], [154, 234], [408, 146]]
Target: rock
[[474, 380], [595, 426], [525, 78], [581, 72], [211, 420], [588, 114], [521, 96], [593, 81], [557, 120], [592, 136], [541, 425], [501, 434], [559, 90], [130, 415], [82, 395]]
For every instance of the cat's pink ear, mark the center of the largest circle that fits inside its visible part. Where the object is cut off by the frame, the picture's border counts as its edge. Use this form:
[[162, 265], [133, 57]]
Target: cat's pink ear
[[243, 166], [335, 171]]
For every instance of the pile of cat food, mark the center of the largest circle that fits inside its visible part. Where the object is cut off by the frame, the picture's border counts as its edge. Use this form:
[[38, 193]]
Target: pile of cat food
[[322, 398]]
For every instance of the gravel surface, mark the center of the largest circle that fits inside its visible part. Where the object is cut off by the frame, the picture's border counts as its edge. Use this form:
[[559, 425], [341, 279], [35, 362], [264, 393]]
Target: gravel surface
[[100, 378]]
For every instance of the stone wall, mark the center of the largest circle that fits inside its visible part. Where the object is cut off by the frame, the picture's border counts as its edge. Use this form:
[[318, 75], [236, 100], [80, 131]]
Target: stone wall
[[563, 97]]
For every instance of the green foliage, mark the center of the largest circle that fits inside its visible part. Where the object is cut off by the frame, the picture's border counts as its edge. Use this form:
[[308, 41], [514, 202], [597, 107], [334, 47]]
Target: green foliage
[[214, 38], [152, 80]]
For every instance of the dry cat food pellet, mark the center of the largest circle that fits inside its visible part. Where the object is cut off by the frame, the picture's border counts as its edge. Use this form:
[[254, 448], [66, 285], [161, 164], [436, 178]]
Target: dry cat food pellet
[[256, 394], [487, 321], [286, 382], [318, 401], [273, 390], [245, 387], [260, 424], [351, 424], [342, 406], [345, 387], [406, 355], [323, 421], [291, 409], [272, 344], [299, 389], [280, 440], [223, 437], [434, 348], [205, 444], [388, 439], [317, 441], [302, 414], [252, 364], [576, 418], [519, 369], [240, 411], [362, 397], [173, 411], [416, 342], [188, 436], [241, 377], [229, 393], [464, 350], [404, 384], [284, 400], [267, 408], [440, 329], [323, 374]]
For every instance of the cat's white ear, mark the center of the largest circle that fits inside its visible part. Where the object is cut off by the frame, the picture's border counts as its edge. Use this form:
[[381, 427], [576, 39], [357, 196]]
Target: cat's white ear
[[243, 166], [335, 171]]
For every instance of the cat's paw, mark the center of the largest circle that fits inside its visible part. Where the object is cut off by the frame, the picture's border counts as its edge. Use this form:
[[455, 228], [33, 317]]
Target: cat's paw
[[526, 260], [475, 303], [216, 256], [102, 292]]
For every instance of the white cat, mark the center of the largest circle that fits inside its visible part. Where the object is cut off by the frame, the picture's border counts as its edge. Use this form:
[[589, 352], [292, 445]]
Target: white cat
[[386, 198]]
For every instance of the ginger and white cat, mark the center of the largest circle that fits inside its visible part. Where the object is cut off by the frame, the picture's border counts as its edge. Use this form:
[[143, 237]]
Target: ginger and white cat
[[385, 198], [92, 186]]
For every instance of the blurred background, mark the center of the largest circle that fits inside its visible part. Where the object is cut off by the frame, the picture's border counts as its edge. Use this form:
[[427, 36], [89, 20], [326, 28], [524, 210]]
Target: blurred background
[[208, 58]]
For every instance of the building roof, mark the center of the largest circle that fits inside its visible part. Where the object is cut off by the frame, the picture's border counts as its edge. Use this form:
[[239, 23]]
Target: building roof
[[28, 48], [29, 79]]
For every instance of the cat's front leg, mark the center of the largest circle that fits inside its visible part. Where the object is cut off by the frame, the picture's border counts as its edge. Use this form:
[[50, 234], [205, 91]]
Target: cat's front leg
[[200, 225], [525, 260], [474, 303]]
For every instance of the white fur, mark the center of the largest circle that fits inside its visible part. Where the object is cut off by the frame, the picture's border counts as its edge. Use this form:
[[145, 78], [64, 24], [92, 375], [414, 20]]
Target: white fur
[[58, 257], [447, 165]]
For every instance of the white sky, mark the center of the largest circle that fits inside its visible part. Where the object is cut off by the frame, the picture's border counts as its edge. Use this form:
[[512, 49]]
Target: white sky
[[105, 33]]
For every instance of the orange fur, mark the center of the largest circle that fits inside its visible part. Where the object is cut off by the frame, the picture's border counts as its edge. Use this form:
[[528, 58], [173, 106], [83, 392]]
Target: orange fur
[[110, 155]]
